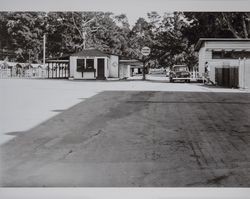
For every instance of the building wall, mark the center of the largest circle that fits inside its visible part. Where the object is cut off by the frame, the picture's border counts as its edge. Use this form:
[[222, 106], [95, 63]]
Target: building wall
[[72, 65], [124, 70], [113, 66], [202, 60], [244, 74]]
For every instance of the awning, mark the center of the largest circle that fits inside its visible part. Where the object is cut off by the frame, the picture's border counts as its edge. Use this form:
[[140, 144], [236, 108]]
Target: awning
[[228, 49]]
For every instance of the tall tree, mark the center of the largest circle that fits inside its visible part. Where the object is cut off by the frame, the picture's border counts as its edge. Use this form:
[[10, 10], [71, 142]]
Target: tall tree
[[141, 35], [216, 24], [24, 33], [171, 47]]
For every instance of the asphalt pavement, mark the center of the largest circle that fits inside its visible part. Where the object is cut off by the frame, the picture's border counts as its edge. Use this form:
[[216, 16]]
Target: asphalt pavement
[[136, 139]]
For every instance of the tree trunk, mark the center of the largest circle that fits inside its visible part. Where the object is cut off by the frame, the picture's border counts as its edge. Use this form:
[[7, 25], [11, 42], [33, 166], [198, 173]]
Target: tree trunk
[[244, 27], [229, 25]]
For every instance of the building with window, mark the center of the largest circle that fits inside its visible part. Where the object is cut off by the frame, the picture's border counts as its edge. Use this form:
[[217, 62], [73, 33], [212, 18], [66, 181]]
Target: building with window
[[93, 64], [224, 57], [129, 67]]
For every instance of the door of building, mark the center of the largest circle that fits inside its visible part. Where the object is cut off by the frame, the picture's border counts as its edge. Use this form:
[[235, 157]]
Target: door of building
[[101, 69]]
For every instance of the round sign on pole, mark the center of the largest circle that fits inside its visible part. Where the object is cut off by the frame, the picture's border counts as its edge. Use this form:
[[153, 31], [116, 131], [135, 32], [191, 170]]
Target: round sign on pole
[[145, 51]]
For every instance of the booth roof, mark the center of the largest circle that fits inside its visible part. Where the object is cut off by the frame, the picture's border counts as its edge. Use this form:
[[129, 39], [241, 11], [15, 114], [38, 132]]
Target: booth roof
[[91, 53]]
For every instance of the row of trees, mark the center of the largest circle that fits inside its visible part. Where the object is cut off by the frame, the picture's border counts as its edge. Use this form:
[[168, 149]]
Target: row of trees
[[171, 36]]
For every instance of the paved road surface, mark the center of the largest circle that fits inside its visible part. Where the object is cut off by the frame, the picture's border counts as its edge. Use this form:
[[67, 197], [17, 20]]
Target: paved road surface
[[132, 139]]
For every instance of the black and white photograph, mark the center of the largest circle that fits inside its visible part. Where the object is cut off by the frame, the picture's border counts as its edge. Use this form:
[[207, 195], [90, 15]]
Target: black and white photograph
[[135, 97]]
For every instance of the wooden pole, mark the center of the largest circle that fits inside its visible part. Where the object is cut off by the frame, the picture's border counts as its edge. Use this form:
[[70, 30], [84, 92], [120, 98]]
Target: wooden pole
[[44, 49], [59, 69], [65, 70], [143, 70], [48, 70], [68, 65]]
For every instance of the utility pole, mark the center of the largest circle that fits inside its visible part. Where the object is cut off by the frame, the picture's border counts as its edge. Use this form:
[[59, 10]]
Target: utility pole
[[44, 52], [244, 78], [144, 70]]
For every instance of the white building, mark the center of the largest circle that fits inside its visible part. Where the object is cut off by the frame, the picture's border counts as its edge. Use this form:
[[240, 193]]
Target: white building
[[129, 67], [223, 55], [93, 64]]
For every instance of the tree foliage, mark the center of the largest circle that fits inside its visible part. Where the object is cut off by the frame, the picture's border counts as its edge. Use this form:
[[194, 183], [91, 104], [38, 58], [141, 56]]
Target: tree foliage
[[171, 36], [216, 24]]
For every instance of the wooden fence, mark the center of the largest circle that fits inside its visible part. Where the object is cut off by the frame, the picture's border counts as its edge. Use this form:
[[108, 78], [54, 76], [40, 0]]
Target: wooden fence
[[20, 73], [55, 70]]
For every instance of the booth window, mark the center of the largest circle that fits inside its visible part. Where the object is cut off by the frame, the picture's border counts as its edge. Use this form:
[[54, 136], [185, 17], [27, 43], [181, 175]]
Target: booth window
[[89, 63], [80, 65]]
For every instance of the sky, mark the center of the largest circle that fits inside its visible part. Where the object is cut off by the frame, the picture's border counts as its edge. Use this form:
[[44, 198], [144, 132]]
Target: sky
[[132, 8]]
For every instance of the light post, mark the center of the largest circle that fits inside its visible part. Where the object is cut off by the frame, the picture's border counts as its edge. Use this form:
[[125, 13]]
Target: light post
[[45, 24], [44, 49], [244, 78]]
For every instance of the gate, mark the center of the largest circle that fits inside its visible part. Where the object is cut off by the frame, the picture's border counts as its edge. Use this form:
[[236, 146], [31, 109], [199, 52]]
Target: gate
[[227, 77]]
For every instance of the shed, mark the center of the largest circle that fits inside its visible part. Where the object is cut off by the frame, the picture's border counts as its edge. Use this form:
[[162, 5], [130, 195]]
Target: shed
[[129, 67], [225, 56], [93, 64]]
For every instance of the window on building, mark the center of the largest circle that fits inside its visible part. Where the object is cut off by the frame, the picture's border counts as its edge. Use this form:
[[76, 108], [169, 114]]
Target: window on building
[[230, 54], [80, 65], [89, 63], [246, 54], [217, 55]]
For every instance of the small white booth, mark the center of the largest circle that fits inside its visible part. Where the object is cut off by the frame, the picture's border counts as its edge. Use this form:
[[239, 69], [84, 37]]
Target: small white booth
[[129, 67], [93, 64]]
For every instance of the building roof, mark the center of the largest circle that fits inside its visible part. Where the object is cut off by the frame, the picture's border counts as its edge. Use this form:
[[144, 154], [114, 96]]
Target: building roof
[[125, 58], [91, 53], [202, 40], [62, 57]]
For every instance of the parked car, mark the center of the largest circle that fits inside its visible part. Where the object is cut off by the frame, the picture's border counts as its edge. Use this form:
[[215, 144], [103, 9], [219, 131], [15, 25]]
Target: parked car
[[180, 73], [156, 71]]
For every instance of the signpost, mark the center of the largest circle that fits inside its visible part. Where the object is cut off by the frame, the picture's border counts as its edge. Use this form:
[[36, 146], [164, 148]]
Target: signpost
[[145, 51]]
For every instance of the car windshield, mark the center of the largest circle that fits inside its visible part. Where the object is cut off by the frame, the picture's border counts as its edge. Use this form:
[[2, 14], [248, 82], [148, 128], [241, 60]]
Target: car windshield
[[180, 68]]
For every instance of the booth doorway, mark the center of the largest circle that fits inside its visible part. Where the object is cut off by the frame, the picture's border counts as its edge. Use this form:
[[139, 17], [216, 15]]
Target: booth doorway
[[101, 69]]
